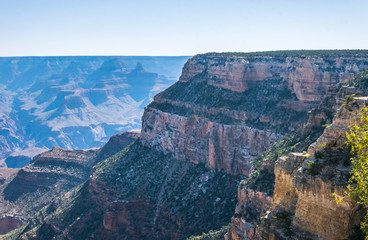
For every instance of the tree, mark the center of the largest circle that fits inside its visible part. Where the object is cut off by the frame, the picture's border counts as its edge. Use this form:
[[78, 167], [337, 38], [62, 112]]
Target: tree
[[358, 182]]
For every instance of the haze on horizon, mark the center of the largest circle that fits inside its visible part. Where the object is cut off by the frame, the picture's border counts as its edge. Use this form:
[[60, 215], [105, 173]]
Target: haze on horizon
[[163, 27]]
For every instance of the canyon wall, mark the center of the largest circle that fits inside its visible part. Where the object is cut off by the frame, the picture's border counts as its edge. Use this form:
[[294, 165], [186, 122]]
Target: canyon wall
[[226, 109], [308, 77]]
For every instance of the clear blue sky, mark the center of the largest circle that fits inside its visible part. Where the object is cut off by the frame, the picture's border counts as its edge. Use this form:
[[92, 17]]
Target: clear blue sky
[[173, 27]]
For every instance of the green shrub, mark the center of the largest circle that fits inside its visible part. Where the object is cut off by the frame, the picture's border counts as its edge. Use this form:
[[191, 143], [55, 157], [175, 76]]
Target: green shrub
[[358, 187], [349, 98], [309, 164], [212, 235]]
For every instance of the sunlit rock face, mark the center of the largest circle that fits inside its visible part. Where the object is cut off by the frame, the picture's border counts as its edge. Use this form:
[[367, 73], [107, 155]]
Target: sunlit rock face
[[303, 205], [308, 77]]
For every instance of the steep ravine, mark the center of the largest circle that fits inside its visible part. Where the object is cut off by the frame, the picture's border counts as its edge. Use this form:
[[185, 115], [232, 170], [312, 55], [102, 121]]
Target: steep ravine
[[198, 140]]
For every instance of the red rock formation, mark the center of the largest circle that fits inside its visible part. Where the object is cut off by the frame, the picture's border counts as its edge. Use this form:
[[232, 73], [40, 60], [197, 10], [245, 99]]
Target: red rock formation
[[223, 112]]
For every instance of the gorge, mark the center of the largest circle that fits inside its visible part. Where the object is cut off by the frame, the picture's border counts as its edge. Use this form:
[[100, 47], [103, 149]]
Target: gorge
[[202, 141]]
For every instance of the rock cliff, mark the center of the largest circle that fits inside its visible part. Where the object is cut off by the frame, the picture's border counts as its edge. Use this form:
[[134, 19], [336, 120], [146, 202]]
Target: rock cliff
[[140, 193], [301, 141]]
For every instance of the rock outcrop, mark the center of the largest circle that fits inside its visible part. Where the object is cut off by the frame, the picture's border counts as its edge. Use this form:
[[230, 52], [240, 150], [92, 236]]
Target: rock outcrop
[[307, 76], [303, 205], [140, 193], [251, 205], [220, 146]]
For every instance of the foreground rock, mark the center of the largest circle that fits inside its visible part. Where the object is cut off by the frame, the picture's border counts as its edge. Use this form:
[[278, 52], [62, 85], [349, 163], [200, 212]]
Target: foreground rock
[[251, 205], [303, 205]]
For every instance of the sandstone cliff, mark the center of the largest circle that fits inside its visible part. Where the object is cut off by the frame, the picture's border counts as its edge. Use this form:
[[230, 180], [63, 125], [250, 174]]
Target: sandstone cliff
[[303, 206], [251, 205]]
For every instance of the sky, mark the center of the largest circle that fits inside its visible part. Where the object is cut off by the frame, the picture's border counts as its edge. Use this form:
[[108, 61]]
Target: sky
[[174, 27]]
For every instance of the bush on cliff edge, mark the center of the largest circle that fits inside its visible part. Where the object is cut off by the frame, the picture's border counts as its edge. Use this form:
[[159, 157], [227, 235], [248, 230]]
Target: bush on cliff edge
[[358, 182]]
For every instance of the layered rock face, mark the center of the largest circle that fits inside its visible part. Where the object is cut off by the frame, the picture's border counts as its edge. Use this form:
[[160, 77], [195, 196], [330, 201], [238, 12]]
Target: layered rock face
[[308, 77], [303, 205], [226, 109], [220, 146]]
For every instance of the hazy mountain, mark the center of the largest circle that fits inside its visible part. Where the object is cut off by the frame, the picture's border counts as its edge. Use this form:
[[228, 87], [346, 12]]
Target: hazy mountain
[[76, 102]]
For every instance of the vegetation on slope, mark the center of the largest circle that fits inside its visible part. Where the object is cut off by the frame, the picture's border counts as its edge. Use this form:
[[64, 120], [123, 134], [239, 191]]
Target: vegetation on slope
[[211, 235], [293, 53], [52, 174], [161, 198], [263, 181], [261, 99], [359, 81]]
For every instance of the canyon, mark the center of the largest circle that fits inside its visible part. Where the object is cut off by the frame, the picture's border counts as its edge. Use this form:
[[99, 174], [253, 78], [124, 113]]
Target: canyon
[[201, 137]]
